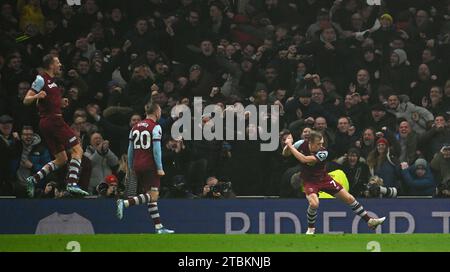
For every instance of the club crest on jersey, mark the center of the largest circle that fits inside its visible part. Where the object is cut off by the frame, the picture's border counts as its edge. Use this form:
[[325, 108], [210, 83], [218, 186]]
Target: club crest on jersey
[[322, 155], [53, 85]]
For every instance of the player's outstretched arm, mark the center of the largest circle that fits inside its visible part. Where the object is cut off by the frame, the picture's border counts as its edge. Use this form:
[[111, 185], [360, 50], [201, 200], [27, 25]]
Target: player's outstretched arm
[[299, 156]]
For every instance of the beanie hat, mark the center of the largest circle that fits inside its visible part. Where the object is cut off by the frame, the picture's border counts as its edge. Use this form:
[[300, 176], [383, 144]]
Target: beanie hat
[[387, 16], [421, 163], [401, 55], [382, 141]]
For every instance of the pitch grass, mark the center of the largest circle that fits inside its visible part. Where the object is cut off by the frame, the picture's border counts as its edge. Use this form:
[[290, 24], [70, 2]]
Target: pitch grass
[[227, 243]]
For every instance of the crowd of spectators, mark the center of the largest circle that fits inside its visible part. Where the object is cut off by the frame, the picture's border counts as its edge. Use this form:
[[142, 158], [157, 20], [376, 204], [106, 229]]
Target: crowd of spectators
[[374, 79]]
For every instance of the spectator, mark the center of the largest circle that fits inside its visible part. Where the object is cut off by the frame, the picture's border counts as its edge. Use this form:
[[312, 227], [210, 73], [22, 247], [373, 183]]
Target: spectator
[[117, 134], [419, 118], [328, 52], [103, 160], [31, 155], [435, 103], [367, 142], [200, 82], [429, 58], [345, 136], [397, 73], [356, 110], [328, 110], [409, 141], [421, 86], [356, 170], [8, 140], [320, 125], [440, 163], [31, 14], [384, 164], [418, 179], [216, 189], [365, 87], [218, 23], [48, 191], [110, 187], [380, 117], [436, 137]]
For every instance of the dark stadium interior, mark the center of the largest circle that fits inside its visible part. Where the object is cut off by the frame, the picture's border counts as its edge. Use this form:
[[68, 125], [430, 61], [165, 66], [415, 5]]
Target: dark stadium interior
[[374, 80]]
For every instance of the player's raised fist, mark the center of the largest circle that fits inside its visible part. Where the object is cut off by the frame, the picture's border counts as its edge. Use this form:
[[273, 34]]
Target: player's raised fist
[[161, 173]]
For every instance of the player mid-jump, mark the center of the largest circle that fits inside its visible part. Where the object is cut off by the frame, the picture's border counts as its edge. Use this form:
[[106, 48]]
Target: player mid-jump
[[312, 156], [144, 157], [57, 134]]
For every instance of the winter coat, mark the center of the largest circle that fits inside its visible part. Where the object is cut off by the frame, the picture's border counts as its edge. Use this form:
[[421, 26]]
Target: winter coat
[[406, 110], [39, 156], [102, 165], [415, 186], [433, 140]]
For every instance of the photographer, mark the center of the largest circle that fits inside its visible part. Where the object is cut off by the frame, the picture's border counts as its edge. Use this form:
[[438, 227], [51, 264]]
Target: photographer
[[217, 190], [178, 189], [110, 187], [376, 188]]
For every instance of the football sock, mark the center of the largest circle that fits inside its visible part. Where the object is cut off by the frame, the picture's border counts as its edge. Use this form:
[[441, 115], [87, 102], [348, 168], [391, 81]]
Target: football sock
[[359, 210], [312, 215], [154, 214], [137, 200], [74, 171], [47, 169]]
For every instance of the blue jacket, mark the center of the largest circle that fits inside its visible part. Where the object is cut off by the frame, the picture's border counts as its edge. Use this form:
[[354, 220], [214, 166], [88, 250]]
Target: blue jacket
[[39, 156], [414, 186], [389, 173]]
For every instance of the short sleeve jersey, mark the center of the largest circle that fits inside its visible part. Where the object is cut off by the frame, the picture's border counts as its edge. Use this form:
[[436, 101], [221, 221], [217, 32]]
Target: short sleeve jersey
[[141, 136], [315, 171], [51, 104]]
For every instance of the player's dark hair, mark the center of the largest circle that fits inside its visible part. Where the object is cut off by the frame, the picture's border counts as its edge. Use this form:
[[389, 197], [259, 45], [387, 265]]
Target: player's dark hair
[[151, 107], [47, 60], [284, 132], [315, 136]]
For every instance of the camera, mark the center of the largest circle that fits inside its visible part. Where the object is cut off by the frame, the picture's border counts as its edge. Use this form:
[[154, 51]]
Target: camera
[[103, 190], [221, 187], [373, 190], [373, 187]]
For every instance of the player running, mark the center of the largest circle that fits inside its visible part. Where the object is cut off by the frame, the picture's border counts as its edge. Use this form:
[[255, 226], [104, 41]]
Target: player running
[[312, 156], [144, 157], [57, 134]]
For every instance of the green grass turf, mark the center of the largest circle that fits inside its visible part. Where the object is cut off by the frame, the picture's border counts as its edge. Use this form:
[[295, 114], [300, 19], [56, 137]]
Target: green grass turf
[[227, 243]]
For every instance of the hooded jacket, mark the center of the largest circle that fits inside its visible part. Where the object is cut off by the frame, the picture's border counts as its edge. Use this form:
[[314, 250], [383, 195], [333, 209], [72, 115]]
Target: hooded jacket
[[415, 186]]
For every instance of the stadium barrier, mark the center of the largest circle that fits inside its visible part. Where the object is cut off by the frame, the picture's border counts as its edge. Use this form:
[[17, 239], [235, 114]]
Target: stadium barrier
[[22, 216]]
